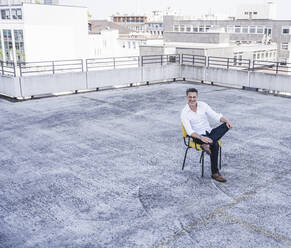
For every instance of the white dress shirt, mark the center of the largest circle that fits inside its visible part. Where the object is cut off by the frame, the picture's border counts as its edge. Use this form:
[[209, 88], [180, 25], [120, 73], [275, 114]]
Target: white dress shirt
[[197, 121]]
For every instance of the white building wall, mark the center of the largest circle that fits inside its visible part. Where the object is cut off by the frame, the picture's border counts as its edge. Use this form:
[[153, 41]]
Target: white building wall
[[55, 32], [104, 44], [256, 11]]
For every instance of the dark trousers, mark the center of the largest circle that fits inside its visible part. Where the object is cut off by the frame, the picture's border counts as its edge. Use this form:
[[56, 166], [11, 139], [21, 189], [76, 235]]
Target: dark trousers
[[215, 134]]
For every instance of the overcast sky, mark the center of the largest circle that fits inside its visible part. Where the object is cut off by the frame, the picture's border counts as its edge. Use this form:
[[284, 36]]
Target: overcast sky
[[101, 9]]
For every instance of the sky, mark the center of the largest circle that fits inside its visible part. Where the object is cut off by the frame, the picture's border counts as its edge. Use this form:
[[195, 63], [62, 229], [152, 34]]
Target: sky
[[102, 9]]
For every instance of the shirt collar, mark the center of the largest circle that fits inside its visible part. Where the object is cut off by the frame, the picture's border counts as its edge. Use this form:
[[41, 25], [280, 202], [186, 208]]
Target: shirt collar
[[188, 107]]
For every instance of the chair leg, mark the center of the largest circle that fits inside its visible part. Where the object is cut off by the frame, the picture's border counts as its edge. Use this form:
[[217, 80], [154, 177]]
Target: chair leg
[[185, 158], [202, 163], [220, 158]]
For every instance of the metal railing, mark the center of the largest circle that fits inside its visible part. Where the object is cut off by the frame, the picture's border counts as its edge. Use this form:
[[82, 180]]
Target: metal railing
[[195, 60], [80, 65], [222, 62], [160, 59], [50, 67], [8, 69], [237, 63], [112, 63], [269, 66]]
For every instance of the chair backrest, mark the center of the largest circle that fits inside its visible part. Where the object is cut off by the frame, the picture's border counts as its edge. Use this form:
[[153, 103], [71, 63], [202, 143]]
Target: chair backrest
[[184, 131]]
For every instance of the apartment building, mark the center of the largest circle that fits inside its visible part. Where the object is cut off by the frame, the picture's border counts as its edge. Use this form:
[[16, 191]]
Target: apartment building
[[133, 22], [253, 24], [42, 32]]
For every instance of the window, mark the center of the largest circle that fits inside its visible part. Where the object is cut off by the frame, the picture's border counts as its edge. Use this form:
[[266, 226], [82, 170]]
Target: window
[[258, 56], [254, 56], [230, 29], [201, 28], [262, 55], [252, 29], [255, 12], [16, 13], [246, 13], [207, 28], [237, 29], [134, 45], [195, 29], [176, 28], [268, 30], [245, 29], [7, 37], [182, 28], [260, 30], [188, 29], [19, 45], [128, 43], [285, 46], [5, 14], [285, 30]]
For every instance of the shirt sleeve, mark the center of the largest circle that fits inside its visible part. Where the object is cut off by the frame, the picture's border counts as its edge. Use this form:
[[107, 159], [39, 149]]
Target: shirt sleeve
[[186, 124], [211, 113]]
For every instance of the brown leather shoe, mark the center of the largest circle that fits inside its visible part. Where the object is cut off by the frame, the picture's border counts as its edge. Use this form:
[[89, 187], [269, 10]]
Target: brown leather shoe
[[218, 178], [206, 148]]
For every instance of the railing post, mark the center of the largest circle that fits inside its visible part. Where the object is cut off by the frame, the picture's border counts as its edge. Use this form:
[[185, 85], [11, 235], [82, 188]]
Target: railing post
[[53, 64], [182, 61], [253, 65], [249, 65], [82, 65], [161, 59], [227, 66], [113, 63], [277, 67], [14, 69], [141, 61], [2, 68], [208, 61], [20, 69], [86, 64], [193, 62]]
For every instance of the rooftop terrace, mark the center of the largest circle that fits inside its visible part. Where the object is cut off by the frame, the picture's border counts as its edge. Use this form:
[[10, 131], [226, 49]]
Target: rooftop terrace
[[103, 169]]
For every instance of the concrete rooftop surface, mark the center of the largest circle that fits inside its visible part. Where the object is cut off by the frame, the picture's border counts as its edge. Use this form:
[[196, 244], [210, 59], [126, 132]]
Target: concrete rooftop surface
[[103, 169]]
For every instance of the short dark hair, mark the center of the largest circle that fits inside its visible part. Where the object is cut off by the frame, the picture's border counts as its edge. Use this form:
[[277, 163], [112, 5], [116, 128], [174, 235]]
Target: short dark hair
[[191, 90]]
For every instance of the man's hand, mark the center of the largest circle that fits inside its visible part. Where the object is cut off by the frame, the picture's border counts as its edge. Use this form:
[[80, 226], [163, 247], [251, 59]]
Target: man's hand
[[228, 124], [206, 139]]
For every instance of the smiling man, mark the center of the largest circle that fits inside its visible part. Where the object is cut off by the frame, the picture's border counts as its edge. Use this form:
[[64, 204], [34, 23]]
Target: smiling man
[[194, 117]]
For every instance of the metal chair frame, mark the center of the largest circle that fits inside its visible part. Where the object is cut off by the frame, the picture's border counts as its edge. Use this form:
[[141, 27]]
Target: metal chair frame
[[187, 140]]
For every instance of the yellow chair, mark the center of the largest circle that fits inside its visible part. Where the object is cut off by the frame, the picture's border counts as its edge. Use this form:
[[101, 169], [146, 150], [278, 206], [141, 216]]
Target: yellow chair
[[190, 143]]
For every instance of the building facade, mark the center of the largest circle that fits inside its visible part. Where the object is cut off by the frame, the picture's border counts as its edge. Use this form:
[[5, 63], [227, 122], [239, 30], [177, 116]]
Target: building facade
[[252, 24], [133, 22], [155, 28], [38, 32]]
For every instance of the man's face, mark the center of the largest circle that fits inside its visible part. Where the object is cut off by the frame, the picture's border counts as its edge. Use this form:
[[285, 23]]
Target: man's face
[[192, 99]]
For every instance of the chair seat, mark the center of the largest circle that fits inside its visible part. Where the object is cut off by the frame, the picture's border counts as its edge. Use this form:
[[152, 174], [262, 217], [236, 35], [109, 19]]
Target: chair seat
[[198, 146]]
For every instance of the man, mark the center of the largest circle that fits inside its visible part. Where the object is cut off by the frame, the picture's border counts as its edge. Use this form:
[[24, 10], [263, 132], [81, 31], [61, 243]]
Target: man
[[194, 118]]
